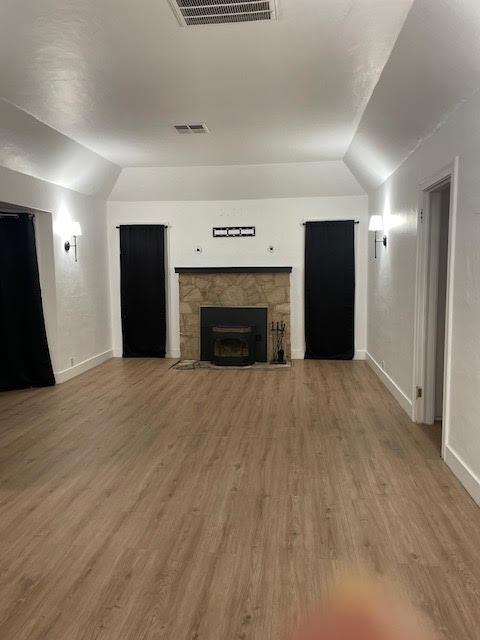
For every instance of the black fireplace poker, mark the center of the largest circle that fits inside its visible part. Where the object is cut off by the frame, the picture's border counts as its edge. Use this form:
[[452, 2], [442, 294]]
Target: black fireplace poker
[[278, 330]]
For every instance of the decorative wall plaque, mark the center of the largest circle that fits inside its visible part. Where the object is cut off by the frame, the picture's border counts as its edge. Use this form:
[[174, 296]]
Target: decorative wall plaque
[[233, 232]]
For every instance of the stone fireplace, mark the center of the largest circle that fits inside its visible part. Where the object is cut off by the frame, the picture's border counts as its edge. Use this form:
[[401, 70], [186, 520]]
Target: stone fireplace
[[231, 287]]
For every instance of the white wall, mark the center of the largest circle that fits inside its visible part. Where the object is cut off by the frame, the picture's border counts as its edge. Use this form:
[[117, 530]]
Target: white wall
[[391, 288], [236, 182], [75, 294], [278, 223]]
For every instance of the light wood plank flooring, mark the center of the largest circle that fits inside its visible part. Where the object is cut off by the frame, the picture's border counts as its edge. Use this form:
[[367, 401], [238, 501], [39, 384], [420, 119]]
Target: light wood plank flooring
[[143, 503]]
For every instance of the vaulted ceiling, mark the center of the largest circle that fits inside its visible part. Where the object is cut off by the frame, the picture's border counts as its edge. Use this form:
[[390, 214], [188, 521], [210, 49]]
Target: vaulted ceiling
[[115, 75], [102, 82], [434, 66]]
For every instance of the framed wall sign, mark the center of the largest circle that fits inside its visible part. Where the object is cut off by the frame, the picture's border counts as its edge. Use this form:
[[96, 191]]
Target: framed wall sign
[[233, 232]]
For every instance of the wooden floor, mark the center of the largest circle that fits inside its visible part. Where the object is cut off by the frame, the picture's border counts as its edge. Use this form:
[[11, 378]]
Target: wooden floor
[[141, 503]]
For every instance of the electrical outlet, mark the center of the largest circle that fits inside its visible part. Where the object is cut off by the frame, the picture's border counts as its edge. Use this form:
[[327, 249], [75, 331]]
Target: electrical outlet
[[71, 362]]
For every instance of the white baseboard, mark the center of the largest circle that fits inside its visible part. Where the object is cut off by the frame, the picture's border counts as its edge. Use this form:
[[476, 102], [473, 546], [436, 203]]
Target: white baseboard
[[118, 353], [81, 367], [462, 471], [299, 354], [402, 399]]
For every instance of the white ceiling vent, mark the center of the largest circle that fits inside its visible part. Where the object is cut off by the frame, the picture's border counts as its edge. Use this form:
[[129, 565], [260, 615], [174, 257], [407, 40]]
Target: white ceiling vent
[[191, 128], [197, 12]]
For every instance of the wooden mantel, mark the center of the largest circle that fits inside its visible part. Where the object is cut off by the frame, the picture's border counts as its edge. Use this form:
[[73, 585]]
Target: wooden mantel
[[199, 270]]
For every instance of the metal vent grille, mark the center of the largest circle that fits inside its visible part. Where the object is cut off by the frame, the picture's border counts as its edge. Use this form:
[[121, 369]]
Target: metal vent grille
[[198, 12], [191, 128]]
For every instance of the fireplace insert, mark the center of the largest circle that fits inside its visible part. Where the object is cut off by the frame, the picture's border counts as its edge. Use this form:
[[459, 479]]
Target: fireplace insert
[[233, 345], [233, 335]]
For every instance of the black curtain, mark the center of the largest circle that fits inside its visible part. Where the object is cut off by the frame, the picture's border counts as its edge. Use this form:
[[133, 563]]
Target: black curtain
[[24, 356], [330, 290], [142, 269]]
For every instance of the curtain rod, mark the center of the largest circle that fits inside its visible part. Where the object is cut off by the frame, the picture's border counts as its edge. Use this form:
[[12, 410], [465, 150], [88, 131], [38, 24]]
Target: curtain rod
[[8, 207], [6, 214], [304, 222], [145, 225]]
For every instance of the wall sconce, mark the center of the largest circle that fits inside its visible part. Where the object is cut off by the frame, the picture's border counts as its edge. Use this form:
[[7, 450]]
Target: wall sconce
[[376, 224], [76, 231]]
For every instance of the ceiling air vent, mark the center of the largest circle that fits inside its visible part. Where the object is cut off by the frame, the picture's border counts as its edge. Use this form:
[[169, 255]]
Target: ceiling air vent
[[197, 12], [191, 128]]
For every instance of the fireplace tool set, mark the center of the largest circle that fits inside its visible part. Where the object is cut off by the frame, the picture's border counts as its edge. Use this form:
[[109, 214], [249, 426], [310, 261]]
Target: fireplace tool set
[[278, 330]]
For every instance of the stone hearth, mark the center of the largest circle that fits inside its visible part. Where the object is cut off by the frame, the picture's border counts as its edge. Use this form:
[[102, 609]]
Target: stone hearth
[[213, 289]]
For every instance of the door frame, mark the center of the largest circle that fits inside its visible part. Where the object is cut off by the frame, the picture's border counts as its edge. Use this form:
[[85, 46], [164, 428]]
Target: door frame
[[421, 329]]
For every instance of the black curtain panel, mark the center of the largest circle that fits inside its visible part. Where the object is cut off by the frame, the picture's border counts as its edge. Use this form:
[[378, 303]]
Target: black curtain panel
[[24, 356], [330, 290], [142, 270]]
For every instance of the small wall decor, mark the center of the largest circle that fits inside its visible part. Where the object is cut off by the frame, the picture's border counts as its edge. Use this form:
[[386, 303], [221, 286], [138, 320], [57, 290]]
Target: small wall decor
[[233, 232], [278, 333]]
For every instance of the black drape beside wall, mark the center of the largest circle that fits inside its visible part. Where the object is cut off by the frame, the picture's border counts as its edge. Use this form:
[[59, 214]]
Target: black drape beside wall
[[142, 272], [24, 355], [330, 290]]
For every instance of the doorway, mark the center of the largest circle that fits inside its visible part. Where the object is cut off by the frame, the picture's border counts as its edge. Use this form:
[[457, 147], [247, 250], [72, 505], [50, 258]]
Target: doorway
[[436, 302], [434, 277], [438, 223]]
